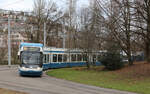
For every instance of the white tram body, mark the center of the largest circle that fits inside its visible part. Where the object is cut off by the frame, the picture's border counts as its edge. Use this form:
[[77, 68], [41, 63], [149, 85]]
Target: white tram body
[[60, 57]]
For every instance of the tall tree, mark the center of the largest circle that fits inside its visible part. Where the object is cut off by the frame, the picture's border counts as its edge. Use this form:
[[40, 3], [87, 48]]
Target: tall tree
[[45, 12], [118, 22], [90, 28], [142, 19], [87, 37], [39, 11]]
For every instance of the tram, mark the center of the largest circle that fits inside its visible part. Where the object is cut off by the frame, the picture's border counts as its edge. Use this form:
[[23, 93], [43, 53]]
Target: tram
[[35, 58], [61, 58], [31, 59]]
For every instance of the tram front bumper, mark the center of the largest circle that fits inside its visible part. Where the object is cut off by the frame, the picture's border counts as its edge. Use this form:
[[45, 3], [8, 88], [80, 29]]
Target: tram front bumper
[[30, 72]]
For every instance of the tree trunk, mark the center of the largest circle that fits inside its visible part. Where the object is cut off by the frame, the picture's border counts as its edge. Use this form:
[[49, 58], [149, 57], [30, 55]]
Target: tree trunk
[[87, 64], [130, 60], [148, 34], [128, 33], [38, 33], [147, 52], [88, 61]]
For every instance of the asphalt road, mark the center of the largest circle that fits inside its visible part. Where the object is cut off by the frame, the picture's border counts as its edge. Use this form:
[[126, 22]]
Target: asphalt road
[[10, 79]]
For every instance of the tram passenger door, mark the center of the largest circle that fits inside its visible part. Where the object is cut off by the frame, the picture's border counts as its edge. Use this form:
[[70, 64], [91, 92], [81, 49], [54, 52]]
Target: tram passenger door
[[46, 58]]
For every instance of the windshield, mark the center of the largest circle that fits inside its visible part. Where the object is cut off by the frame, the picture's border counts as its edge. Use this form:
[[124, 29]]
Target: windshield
[[33, 58]]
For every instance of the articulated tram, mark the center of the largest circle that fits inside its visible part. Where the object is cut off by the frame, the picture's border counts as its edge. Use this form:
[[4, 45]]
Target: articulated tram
[[35, 58], [60, 58], [31, 58]]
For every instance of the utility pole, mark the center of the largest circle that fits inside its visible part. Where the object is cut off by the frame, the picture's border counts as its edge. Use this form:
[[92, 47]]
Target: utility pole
[[64, 40], [44, 34], [64, 35], [9, 44]]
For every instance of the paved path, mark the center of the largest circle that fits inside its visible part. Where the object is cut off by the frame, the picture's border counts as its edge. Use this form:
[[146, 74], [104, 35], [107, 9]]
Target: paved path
[[10, 79]]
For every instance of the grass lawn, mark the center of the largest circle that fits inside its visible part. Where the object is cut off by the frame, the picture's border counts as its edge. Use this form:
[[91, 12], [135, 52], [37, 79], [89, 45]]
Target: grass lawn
[[6, 91], [135, 78]]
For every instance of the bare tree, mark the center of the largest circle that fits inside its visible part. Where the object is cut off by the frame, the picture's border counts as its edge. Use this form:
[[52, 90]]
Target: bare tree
[[142, 20], [39, 12], [45, 12], [118, 22], [86, 36], [91, 24]]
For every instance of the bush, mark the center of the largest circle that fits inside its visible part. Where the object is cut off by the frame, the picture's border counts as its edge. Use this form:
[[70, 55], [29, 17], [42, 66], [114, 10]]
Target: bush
[[112, 61]]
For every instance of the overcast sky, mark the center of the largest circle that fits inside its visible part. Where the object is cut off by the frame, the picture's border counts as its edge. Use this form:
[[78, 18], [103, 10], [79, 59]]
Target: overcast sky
[[26, 5]]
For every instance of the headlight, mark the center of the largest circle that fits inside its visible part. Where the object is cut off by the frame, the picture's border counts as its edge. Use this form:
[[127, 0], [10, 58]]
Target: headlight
[[23, 68], [38, 68]]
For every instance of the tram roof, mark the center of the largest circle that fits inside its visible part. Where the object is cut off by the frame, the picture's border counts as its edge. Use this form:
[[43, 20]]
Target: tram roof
[[62, 50], [54, 49], [31, 44]]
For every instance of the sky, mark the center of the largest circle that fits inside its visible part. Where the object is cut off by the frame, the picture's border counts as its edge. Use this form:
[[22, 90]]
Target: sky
[[27, 5]]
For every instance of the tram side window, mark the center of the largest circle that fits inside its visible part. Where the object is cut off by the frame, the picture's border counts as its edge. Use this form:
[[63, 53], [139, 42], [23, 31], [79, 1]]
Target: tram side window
[[79, 57], [84, 57], [59, 58], [54, 57], [73, 57], [64, 58]]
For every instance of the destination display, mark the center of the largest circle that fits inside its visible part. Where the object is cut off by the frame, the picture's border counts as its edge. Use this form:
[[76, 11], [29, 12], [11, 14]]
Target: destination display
[[31, 49]]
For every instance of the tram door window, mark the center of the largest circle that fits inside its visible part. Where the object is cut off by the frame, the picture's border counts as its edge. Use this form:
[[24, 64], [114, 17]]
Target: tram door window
[[73, 57], [64, 58], [47, 58], [50, 59], [59, 58], [44, 59], [54, 57]]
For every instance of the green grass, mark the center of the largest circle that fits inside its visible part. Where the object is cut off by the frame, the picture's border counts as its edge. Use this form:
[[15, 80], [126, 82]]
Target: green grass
[[104, 79]]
